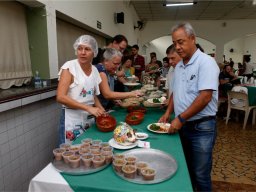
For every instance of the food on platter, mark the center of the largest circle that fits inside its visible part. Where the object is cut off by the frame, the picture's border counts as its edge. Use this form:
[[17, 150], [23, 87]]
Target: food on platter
[[106, 123], [107, 148], [98, 161], [118, 164], [141, 135], [148, 104], [74, 148], [87, 160], [157, 100], [118, 156], [130, 160], [141, 165], [108, 156], [87, 140], [129, 171], [89, 152], [127, 103], [124, 134], [138, 99], [159, 127], [58, 153], [74, 161], [84, 150], [66, 155], [130, 168], [65, 146], [148, 174]]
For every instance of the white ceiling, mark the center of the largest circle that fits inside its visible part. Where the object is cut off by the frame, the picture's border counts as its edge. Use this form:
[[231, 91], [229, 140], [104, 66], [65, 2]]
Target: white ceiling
[[149, 10]]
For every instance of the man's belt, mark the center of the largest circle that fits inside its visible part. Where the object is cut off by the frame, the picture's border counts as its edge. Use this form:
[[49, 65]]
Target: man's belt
[[197, 121]]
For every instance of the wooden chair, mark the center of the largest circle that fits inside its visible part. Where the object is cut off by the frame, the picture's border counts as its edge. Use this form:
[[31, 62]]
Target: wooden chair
[[246, 107]]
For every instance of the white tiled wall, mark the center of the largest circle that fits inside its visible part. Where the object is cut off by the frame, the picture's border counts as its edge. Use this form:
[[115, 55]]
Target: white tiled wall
[[27, 136]]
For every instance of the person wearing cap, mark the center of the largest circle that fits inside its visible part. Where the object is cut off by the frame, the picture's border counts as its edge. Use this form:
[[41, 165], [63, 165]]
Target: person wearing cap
[[78, 89]]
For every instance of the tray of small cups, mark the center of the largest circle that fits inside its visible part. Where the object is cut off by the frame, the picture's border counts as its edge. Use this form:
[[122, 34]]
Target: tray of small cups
[[88, 157], [144, 166]]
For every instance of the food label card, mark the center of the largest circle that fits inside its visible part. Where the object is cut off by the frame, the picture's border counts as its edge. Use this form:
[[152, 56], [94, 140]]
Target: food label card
[[144, 144]]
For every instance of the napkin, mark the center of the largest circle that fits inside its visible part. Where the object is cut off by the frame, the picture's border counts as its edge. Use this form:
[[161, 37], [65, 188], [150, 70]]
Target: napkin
[[144, 144]]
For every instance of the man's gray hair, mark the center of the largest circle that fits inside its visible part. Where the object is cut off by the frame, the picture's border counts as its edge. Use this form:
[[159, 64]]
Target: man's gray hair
[[187, 28], [110, 53]]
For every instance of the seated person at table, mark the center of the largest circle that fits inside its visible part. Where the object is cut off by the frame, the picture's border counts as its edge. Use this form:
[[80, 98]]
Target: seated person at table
[[227, 79], [107, 70], [127, 66], [77, 89], [128, 70]]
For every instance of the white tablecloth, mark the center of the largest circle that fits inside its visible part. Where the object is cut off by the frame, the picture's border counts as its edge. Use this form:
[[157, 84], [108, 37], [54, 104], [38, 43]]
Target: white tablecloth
[[48, 180]]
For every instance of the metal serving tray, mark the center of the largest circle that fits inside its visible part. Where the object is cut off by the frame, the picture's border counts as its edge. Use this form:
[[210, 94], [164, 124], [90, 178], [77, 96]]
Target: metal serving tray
[[62, 167], [164, 164]]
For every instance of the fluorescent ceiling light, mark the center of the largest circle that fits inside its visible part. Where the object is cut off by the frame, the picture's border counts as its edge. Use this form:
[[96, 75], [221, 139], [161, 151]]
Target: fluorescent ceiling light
[[177, 4]]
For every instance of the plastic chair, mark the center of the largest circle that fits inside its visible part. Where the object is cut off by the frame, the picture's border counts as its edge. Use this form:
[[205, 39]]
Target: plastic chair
[[245, 107]]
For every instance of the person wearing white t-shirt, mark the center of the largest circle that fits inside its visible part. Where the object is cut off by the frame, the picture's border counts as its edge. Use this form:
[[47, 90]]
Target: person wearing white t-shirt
[[78, 89], [248, 68]]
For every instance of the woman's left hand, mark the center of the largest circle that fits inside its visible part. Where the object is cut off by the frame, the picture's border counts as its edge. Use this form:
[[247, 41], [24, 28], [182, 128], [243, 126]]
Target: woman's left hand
[[96, 111]]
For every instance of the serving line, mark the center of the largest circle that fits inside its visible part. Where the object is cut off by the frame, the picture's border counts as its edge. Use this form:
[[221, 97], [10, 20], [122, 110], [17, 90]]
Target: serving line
[[107, 180]]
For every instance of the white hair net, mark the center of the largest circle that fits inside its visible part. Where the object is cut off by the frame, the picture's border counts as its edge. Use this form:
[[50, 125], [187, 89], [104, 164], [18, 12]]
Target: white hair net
[[87, 40]]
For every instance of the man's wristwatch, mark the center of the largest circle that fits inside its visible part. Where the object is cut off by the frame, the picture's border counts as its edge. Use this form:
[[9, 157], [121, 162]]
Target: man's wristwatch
[[182, 120]]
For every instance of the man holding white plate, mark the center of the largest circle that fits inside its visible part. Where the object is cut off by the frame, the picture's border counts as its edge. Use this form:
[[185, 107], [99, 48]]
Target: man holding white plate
[[194, 101]]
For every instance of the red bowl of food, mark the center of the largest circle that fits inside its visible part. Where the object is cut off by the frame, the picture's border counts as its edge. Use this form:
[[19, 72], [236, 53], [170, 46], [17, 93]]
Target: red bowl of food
[[134, 118], [106, 123], [136, 109]]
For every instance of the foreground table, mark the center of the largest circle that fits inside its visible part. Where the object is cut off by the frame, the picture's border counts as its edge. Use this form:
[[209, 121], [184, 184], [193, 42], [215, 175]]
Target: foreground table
[[107, 180]]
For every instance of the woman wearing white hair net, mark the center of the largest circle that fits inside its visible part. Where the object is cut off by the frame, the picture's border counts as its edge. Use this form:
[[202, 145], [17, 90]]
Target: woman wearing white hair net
[[78, 89]]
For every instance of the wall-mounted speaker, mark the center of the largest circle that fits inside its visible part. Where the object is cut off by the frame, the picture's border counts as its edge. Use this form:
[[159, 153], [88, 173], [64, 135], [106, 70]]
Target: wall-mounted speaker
[[119, 17]]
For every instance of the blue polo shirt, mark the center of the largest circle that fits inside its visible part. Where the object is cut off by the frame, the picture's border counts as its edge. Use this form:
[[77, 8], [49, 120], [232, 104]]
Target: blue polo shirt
[[200, 73]]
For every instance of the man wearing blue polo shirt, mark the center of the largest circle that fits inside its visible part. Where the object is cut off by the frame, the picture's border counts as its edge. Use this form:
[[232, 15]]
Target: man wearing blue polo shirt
[[194, 101]]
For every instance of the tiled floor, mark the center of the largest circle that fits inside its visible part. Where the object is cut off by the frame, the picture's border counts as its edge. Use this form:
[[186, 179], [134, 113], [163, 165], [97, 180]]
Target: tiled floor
[[234, 161]]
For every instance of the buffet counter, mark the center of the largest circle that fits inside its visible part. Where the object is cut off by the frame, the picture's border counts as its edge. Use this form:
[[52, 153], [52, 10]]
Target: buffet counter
[[106, 180]]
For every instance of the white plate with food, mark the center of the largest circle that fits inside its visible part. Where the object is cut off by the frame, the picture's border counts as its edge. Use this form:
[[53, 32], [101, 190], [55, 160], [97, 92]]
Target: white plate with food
[[157, 101], [131, 84], [141, 135], [159, 127], [116, 145]]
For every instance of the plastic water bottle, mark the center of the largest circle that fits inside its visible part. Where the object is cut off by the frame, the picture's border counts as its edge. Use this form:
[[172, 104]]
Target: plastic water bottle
[[38, 83]]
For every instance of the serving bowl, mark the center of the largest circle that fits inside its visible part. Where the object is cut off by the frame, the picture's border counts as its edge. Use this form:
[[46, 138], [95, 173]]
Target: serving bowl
[[106, 123], [134, 118]]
